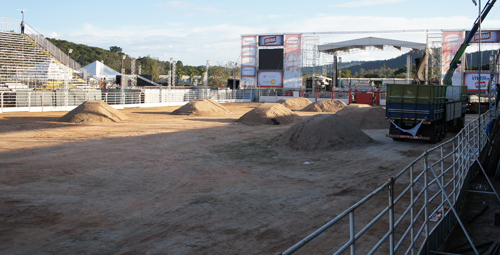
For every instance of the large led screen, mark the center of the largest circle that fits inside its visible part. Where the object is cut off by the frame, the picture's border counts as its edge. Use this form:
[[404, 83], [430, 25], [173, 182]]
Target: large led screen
[[270, 59]]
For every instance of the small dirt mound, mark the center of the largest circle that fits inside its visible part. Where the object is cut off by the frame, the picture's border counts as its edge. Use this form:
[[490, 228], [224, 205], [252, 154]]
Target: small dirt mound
[[332, 106], [366, 117], [358, 105], [321, 132], [297, 103], [202, 107], [93, 111], [269, 114]]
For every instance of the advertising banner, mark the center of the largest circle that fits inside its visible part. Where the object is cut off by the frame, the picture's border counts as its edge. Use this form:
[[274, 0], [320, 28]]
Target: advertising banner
[[292, 62], [248, 51], [248, 72], [451, 43], [249, 41], [248, 61], [271, 40], [487, 36], [270, 79], [471, 80], [248, 82]]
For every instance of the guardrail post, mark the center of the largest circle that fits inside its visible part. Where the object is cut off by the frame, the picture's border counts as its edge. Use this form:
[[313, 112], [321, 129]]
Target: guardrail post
[[352, 232], [426, 197], [442, 172], [412, 211], [455, 161], [1, 95], [106, 97], [391, 216]]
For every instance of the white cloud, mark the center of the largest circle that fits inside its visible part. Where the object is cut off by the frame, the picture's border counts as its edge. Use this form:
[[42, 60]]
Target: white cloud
[[185, 5], [366, 3], [53, 35], [221, 42]]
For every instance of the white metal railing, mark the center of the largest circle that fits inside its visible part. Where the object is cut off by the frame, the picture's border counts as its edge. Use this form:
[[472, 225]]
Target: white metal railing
[[417, 203], [10, 25], [37, 100], [51, 48]]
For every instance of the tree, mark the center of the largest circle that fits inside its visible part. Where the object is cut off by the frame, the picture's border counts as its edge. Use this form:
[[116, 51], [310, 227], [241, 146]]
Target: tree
[[191, 73], [115, 49], [346, 73], [180, 73], [218, 76]]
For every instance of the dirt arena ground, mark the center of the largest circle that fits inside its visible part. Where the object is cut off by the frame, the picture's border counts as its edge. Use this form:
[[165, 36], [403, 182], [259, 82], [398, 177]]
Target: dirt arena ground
[[169, 184]]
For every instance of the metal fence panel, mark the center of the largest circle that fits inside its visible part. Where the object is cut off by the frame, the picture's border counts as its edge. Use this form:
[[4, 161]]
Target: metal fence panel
[[418, 216]]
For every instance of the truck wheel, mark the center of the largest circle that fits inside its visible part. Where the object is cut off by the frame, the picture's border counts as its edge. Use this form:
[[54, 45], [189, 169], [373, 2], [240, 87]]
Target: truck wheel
[[443, 131], [436, 134]]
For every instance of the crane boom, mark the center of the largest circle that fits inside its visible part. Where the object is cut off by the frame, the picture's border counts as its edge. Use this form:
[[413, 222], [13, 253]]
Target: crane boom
[[468, 39]]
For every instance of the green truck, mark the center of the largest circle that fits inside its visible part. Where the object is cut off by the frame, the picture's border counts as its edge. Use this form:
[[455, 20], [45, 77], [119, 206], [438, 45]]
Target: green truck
[[424, 112]]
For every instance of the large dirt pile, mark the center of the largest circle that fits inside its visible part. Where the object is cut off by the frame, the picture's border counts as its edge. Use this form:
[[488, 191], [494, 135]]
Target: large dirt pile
[[332, 106], [321, 132], [269, 114], [365, 117], [297, 103], [93, 111], [202, 107]]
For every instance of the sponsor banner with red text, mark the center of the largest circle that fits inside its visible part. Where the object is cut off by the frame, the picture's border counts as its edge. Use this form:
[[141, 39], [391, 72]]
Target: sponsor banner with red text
[[271, 40], [451, 43], [270, 79], [471, 80], [487, 36], [292, 62]]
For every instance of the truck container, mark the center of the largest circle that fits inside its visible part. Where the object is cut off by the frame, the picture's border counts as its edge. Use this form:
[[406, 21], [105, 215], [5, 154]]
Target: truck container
[[424, 112]]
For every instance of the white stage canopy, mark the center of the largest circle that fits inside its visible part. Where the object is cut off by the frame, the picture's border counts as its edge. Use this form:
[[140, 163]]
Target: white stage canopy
[[99, 70], [363, 43]]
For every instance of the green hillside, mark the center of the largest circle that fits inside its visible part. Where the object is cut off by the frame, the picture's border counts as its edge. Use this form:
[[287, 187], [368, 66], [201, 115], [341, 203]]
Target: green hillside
[[85, 55]]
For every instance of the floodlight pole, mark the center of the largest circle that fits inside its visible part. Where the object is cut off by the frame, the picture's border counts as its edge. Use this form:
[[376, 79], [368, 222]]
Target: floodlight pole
[[170, 83], [22, 22], [123, 58], [206, 81]]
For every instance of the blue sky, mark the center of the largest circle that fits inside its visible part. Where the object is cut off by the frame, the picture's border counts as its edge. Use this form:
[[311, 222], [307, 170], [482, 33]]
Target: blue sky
[[196, 31]]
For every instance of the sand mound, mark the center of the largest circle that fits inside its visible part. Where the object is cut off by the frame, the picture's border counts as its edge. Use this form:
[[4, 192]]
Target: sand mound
[[366, 117], [358, 105], [270, 114], [332, 106], [321, 132], [93, 111], [297, 103], [202, 107]]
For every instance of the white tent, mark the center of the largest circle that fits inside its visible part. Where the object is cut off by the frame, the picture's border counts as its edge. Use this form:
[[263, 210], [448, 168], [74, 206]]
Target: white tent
[[99, 70]]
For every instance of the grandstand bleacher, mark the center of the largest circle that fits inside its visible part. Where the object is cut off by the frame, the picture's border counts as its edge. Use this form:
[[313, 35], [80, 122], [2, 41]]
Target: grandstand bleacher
[[24, 62]]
